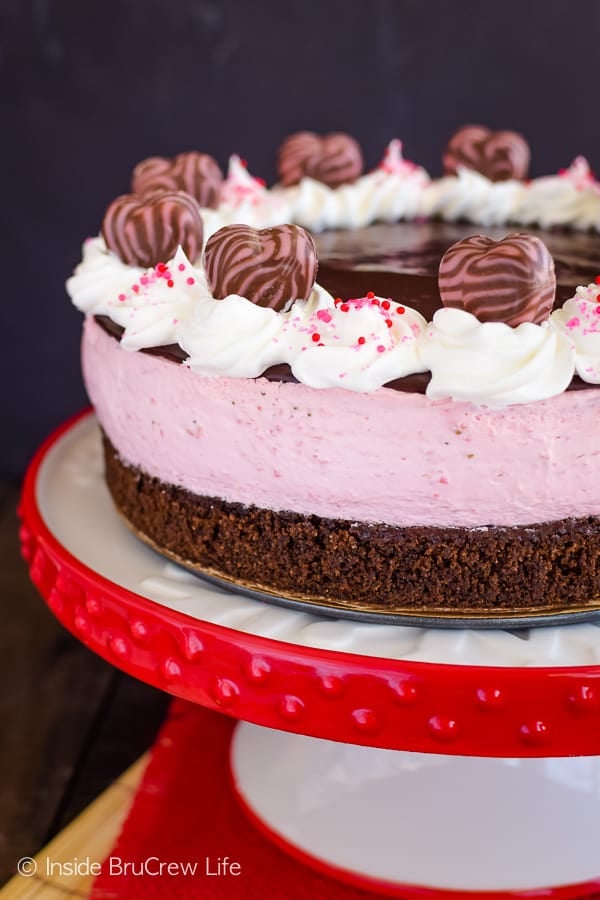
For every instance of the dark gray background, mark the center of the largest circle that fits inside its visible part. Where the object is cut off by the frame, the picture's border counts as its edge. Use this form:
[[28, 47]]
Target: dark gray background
[[89, 88]]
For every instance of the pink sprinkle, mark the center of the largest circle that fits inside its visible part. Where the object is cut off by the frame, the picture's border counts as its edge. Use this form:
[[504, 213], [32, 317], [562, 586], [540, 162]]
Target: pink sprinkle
[[181, 267], [324, 315], [135, 288], [190, 280], [573, 323], [380, 348], [121, 297], [144, 280]]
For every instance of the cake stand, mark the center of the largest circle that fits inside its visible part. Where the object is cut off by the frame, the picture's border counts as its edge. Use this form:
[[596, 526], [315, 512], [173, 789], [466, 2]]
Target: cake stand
[[410, 761]]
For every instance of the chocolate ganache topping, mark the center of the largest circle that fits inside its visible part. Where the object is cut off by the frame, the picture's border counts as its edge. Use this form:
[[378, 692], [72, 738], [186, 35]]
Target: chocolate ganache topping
[[334, 159], [270, 266], [144, 232], [510, 281], [401, 260], [195, 173], [499, 155]]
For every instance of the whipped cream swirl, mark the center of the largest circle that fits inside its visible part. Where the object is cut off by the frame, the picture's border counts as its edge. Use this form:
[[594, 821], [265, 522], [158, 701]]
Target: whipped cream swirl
[[579, 320], [570, 198], [358, 345], [148, 304], [245, 200], [231, 337], [470, 195], [391, 192], [493, 364]]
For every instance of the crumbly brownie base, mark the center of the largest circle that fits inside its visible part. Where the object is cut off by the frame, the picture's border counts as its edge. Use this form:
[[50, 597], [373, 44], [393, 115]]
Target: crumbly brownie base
[[548, 567]]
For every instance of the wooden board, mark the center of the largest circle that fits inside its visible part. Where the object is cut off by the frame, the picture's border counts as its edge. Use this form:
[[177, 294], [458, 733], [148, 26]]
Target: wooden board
[[69, 722], [51, 691], [91, 835]]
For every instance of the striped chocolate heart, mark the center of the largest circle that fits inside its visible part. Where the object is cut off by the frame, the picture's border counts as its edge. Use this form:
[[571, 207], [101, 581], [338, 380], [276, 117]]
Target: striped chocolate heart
[[197, 174], [144, 232], [499, 155], [271, 267], [509, 281], [334, 159]]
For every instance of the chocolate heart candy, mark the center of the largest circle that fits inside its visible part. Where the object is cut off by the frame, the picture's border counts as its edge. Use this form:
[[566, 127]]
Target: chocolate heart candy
[[499, 155], [509, 281], [197, 174], [334, 159], [144, 232], [270, 267]]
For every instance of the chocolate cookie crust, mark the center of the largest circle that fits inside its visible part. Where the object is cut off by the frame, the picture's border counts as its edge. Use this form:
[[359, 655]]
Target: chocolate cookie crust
[[546, 567]]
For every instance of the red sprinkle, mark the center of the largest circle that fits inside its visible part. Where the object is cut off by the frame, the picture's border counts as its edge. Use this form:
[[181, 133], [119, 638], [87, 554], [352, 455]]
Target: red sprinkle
[[400, 310], [170, 283], [597, 279], [316, 337], [344, 307], [376, 302], [161, 267], [362, 340], [389, 323], [339, 299], [370, 295], [385, 304]]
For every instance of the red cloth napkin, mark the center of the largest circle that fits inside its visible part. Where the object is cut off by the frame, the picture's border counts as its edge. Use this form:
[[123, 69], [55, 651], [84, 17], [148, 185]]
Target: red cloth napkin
[[185, 811]]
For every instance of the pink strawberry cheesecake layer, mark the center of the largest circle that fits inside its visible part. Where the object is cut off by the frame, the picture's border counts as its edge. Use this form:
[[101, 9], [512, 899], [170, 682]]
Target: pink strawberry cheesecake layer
[[383, 457]]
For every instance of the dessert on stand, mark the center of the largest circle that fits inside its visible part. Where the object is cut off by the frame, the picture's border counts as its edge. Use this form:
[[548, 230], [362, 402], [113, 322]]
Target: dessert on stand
[[397, 758], [371, 401]]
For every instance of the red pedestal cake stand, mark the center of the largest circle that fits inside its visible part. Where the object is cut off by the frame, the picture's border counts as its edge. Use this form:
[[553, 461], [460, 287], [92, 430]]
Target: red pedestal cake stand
[[411, 761]]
